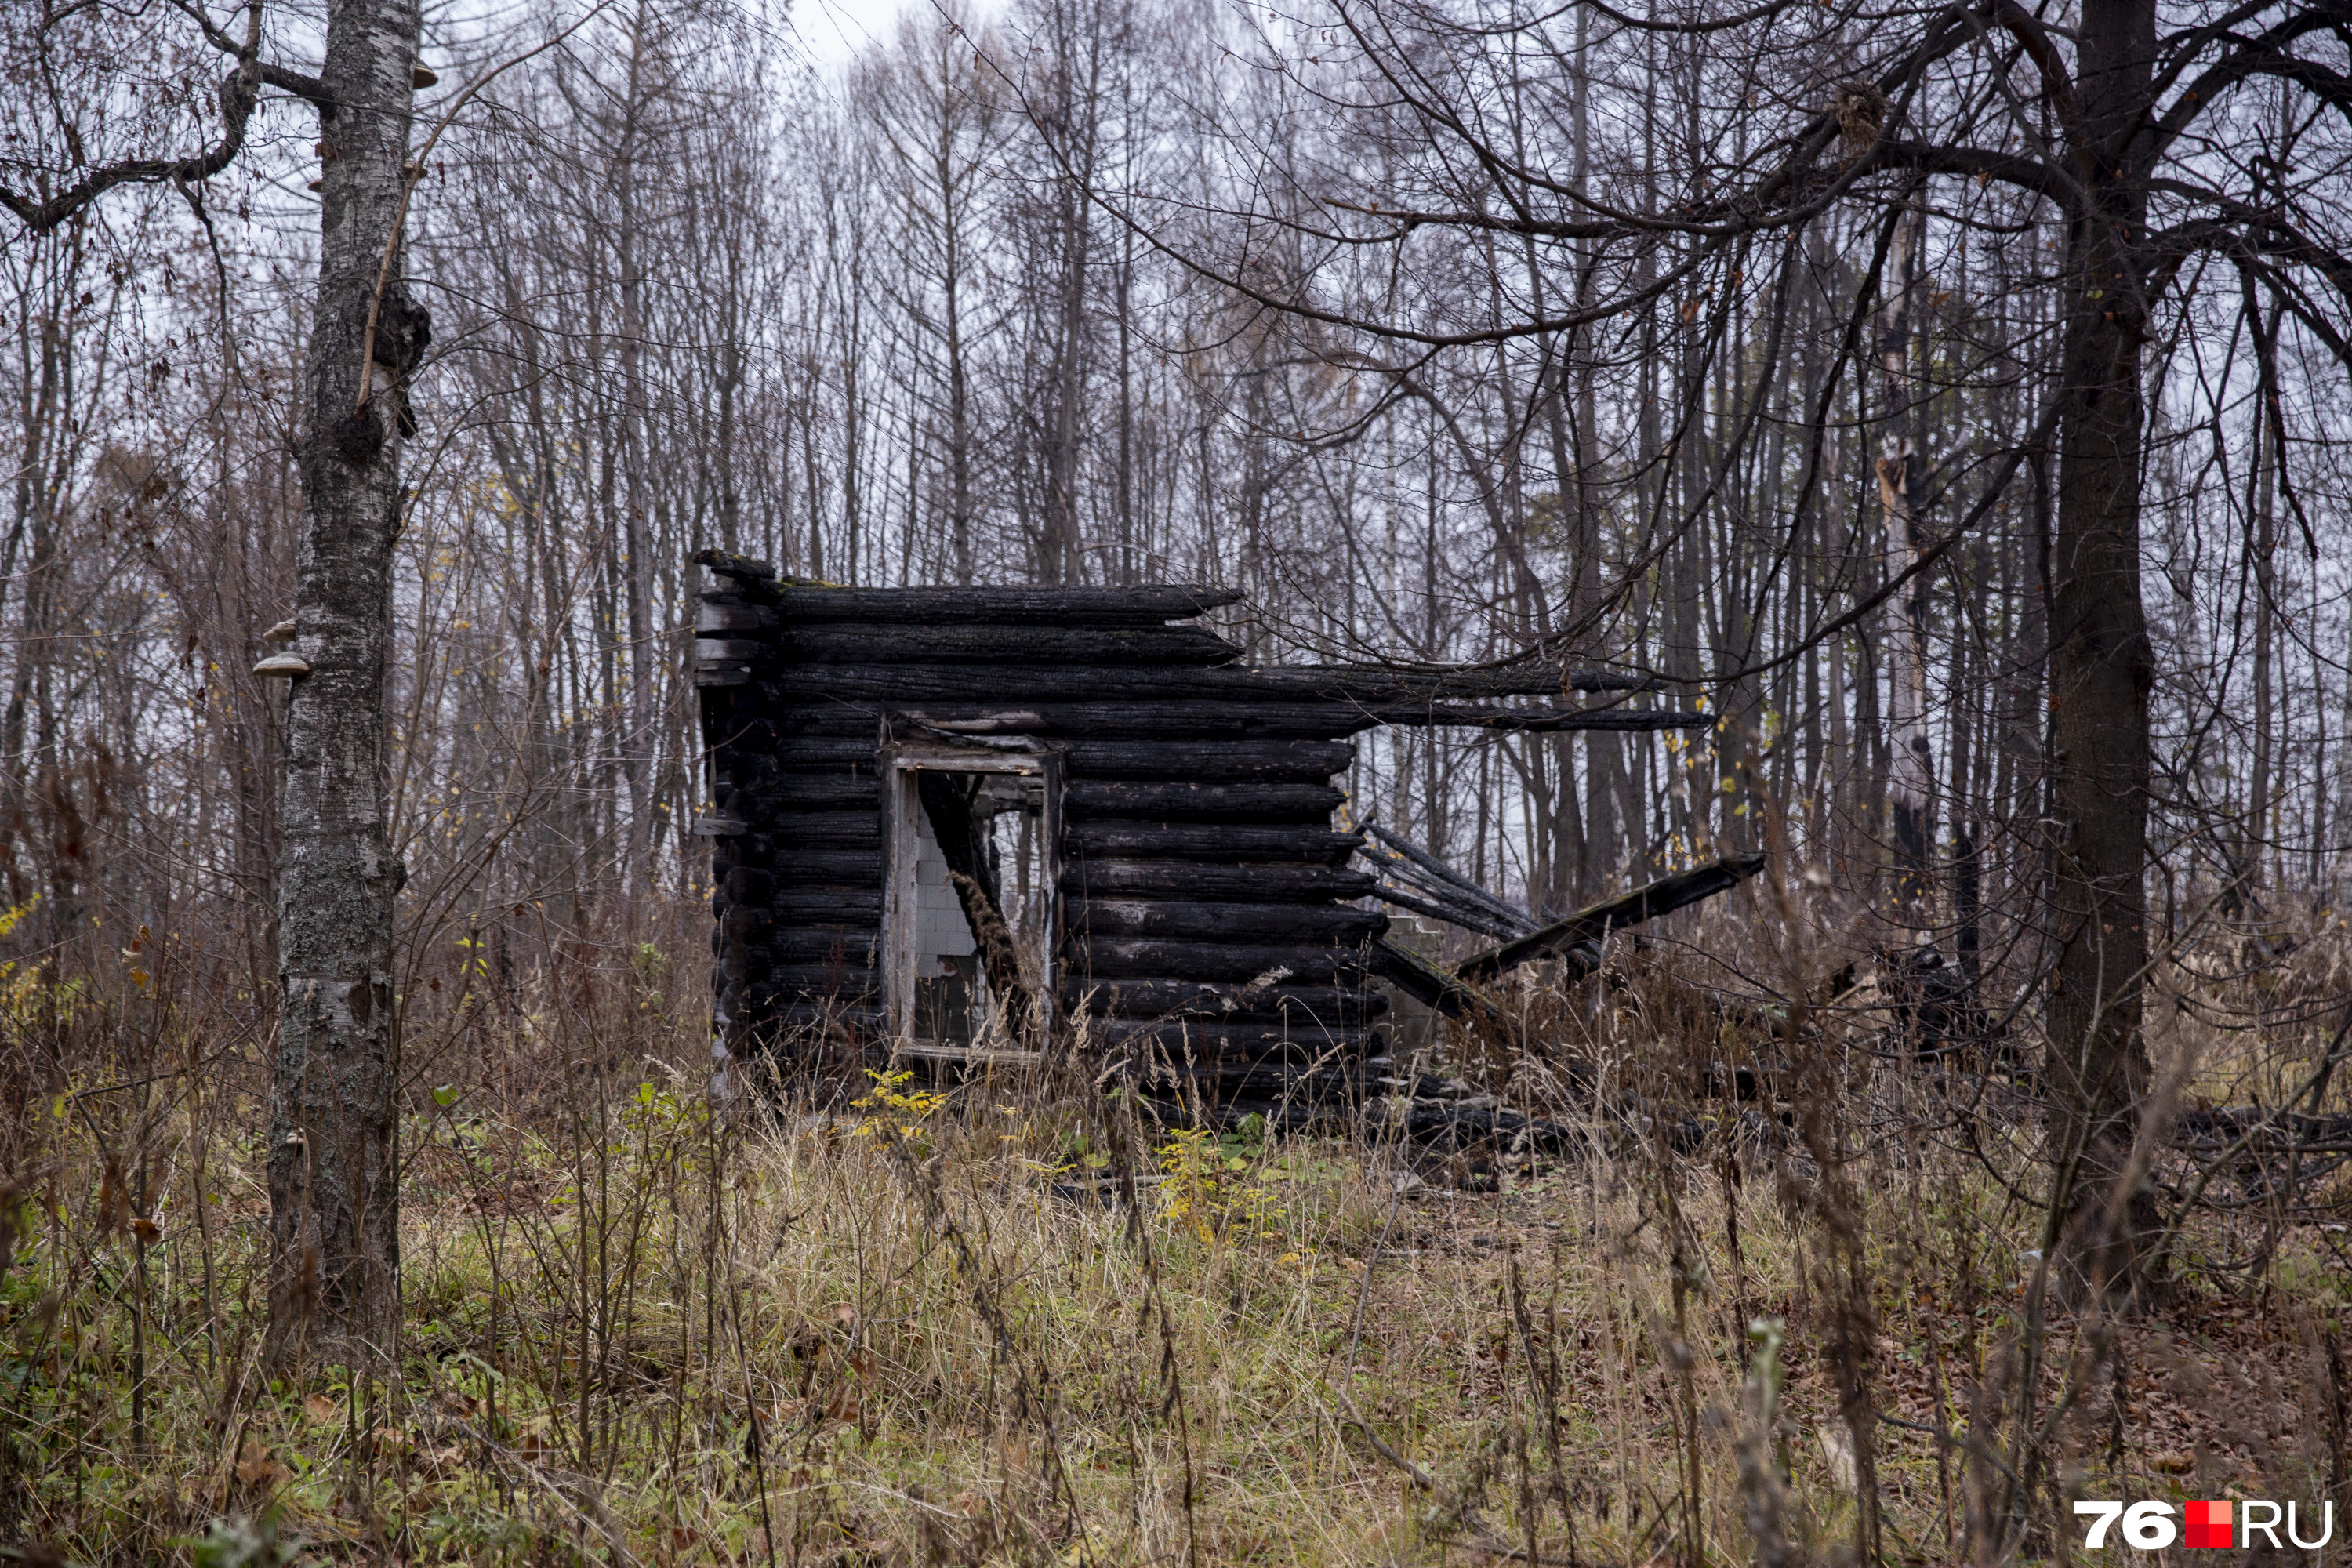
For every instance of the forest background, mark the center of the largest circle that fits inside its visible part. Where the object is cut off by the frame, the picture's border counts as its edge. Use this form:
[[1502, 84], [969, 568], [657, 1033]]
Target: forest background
[[1728, 347], [956, 309]]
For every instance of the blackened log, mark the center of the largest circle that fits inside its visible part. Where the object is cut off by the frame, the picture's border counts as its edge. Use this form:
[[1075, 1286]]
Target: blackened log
[[826, 750], [747, 848], [741, 570], [919, 679], [749, 885], [1006, 607], [821, 979], [948, 803], [1192, 879], [1268, 686], [782, 796], [838, 831], [787, 764], [1106, 959], [711, 651], [1213, 761], [1151, 997], [738, 618], [1173, 802], [740, 963], [800, 906], [1535, 720], [1379, 699], [834, 715], [745, 923], [936, 681], [1318, 924], [1662, 897], [1235, 843], [820, 946], [1159, 646], [804, 865], [1376, 683], [965, 702]]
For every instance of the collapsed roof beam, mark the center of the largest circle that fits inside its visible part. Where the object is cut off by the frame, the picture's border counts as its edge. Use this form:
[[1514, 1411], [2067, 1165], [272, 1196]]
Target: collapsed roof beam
[[1457, 992], [1662, 897]]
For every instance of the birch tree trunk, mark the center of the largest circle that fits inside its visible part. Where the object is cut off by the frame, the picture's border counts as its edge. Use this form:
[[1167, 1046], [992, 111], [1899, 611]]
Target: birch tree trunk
[[1912, 775], [333, 1164]]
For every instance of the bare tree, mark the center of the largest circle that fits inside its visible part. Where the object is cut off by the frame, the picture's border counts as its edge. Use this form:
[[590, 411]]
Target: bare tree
[[333, 1158]]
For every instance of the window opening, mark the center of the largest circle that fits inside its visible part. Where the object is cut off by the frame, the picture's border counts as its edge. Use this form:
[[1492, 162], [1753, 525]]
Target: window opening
[[971, 909]]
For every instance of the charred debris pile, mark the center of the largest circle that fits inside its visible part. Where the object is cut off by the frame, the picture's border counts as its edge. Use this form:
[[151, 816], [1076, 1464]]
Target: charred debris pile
[[949, 824]]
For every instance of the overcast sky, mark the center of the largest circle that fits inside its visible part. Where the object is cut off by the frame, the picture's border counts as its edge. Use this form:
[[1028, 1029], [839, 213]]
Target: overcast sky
[[833, 29]]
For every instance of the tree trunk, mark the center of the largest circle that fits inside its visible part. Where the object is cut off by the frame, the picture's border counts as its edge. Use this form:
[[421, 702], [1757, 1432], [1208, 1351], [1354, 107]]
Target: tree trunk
[[334, 1162], [2101, 669], [1901, 468]]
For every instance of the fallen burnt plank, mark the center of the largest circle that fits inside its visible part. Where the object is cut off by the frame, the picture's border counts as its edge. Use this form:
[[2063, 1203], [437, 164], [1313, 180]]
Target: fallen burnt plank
[[1245, 762], [1264, 1081], [1215, 881], [1317, 923], [2273, 1130], [1201, 802], [1208, 1041], [1429, 983], [1023, 606], [1176, 646], [1450, 1125], [1469, 916], [1409, 862], [1112, 957], [1238, 844], [1662, 897], [1152, 997]]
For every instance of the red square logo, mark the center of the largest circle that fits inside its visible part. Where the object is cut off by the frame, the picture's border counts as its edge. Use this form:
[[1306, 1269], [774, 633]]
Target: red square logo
[[2209, 1524]]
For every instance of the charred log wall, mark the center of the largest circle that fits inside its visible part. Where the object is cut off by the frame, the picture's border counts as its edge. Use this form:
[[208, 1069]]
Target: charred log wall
[[1206, 932]]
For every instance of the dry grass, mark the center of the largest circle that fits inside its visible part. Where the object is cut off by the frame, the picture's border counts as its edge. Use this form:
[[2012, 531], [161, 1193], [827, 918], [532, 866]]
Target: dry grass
[[918, 1329]]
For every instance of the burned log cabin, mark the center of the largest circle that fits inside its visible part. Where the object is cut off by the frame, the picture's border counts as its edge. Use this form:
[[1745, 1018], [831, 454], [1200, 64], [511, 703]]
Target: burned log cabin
[[948, 820]]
